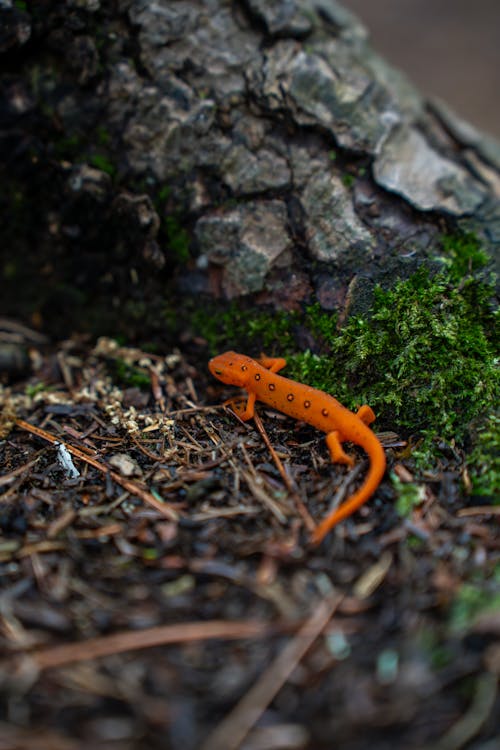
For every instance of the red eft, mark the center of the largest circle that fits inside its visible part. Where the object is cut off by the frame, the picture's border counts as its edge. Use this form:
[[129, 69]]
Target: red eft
[[259, 378]]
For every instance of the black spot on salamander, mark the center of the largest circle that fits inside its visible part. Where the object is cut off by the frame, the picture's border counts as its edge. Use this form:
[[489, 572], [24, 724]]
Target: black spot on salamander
[[271, 387], [324, 412], [243, 368], [307, 404], [290, 397], [257, 376]]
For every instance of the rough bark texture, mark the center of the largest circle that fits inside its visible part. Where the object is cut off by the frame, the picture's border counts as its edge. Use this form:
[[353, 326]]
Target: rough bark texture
[[293, 156]]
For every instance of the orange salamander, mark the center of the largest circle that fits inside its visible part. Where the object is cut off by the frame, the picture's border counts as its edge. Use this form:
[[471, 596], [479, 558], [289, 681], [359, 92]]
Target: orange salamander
[[259, 378]]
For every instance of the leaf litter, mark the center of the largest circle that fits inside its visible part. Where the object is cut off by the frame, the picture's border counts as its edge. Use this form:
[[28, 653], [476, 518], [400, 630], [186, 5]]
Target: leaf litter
[[158, 590]]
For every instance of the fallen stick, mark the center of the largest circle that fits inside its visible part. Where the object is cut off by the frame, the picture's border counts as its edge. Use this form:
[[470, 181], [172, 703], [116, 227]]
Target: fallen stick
[[234, 728], [160, 635]]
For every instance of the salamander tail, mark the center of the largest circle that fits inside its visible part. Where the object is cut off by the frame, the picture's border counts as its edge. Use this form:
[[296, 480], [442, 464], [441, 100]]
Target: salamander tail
[[371, 444]]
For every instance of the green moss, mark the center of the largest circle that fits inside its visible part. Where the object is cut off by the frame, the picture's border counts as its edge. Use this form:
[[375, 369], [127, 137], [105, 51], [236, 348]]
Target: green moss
[[430, 642], [475, 598], [68, 147], [415, 542], [152, 347], [425, 358], [348, 180], [150, 553], [178, 238], [129, 376], [409, 495], [163, 194], [99, 161], [249, 329], [33, 388], [484, 461], [463, 255], [90, 147], [323, 325], [103, 136]]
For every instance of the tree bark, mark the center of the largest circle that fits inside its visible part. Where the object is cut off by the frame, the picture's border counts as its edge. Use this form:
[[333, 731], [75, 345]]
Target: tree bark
[[155, 150]]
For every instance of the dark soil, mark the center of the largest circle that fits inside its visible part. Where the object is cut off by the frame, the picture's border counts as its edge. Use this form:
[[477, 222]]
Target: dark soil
[[176, 573]]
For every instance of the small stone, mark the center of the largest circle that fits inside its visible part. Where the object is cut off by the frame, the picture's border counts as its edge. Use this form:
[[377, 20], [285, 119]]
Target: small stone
[[125, 465], [283, 17], [485, 145], [349, 25], [407, 165], [171, 37], [91, 181], [247, 242], [332, 226], [246, 172], [91, 6]]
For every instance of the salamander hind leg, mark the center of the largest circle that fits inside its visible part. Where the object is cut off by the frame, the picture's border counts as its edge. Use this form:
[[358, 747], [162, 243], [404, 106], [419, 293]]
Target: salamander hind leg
[[337, 453], [365, 413], [274, 364], [244, 409]]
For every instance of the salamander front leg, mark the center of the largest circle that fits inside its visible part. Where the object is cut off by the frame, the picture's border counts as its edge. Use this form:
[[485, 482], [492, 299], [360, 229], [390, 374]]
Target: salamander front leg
[[273, 364], [366, 414], [337, 453], [243, 409]]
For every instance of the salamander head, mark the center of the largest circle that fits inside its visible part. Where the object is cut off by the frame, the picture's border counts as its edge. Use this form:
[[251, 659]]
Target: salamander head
[[231, 368]]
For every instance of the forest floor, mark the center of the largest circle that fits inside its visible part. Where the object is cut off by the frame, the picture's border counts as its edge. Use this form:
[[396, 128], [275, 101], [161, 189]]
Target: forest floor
[[158, 589]]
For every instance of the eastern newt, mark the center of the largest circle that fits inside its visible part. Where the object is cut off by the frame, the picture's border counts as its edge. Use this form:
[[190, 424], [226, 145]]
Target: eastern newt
[[259, 378]]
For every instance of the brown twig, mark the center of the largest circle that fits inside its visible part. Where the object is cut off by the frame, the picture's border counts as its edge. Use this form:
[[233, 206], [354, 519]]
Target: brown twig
[[94, 648], [164, 508], [480, 510], [234, 728], [301, 508], [260, 494], [470, 724], [8, 478], [15, 550]]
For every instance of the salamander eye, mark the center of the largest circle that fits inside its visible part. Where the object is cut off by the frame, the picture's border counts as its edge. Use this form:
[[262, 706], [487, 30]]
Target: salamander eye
[[290, 397], [307, 404], [271, 387], [257, 376], [324, 412]]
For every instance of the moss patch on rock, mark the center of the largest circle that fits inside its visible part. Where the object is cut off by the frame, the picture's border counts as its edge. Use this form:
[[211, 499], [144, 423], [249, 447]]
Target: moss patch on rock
[[425, 358]]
